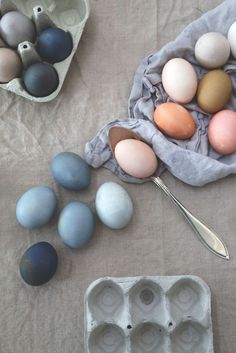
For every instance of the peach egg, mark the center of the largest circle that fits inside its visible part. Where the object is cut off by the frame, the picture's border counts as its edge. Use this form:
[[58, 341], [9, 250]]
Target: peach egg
[[174, 121], [222, 132]]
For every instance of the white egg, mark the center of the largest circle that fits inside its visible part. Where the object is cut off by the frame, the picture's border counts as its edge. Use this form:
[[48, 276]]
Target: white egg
[[113, 205], [232, 39], [212, 50], [179, 80]]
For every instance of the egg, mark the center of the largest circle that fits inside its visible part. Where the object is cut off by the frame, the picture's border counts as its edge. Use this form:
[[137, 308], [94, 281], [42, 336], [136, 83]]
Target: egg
[[10, 65], [16, 28], [179, 80], [212, 50], [54, 45], [71, 171], [40, 79], [174, 121], [113, 205], [232, 39], [136, 158], [214, 91], [38, 264], [36, 207], [76, 225], [222, 132]]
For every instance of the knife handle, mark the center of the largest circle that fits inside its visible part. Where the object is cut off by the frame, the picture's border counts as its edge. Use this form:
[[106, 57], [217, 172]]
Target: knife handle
[[206, 235]]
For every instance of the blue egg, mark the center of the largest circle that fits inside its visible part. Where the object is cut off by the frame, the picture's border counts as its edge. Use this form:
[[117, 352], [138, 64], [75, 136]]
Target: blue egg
[[54, 45], [36, 207], [71, 171], [38, 264], [76, 225]]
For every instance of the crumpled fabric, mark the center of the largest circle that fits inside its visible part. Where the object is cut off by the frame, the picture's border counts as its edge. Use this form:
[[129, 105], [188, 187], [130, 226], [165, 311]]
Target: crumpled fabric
[[193, 161]]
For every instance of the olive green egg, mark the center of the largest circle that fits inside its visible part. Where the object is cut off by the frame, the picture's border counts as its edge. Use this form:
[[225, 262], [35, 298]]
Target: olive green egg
[[214, 91]]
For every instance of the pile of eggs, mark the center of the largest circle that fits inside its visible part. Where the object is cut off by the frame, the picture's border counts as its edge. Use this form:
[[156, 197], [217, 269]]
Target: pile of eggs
[[52, 45], [212, 93], [76, 224]]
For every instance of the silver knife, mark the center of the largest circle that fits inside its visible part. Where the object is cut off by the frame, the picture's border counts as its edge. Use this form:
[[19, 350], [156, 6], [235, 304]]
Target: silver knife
[[206, 235]]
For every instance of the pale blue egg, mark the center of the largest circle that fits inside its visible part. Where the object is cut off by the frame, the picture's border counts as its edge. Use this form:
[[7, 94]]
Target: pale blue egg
[[76, 224], [71, 171], [113, 205], [36, 207]]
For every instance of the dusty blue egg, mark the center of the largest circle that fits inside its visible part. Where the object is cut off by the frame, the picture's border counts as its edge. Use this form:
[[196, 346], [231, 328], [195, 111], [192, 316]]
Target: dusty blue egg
[[40, 79], [76, 225], [36, 207], [54, 45], [71, 171], [113, 205], [38, 264]]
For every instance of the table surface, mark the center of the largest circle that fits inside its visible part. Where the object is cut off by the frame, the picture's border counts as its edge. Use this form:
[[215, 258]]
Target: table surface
[[158, 241]]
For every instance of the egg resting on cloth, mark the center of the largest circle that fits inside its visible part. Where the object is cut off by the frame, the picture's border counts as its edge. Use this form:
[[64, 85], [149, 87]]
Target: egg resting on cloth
[[193, 161]]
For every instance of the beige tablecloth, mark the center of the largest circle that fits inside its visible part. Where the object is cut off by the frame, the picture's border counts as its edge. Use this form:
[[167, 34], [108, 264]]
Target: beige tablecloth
[[158, 241]]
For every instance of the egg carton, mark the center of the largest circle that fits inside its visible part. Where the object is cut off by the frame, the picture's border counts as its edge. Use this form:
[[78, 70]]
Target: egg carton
[[69, 15], [148, 315]]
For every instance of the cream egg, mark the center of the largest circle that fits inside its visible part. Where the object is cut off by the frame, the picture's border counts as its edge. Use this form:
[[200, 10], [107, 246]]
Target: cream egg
[[136, 158], [222, 132], [179, 80], [232, 39], [212, 50]]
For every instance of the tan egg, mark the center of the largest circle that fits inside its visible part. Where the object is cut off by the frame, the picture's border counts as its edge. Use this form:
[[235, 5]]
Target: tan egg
[[174, 121], [10, 65], [214, 91]]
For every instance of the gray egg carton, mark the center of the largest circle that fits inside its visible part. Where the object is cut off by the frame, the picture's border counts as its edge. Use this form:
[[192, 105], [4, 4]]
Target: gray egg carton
[[70, 15], [148, 315]]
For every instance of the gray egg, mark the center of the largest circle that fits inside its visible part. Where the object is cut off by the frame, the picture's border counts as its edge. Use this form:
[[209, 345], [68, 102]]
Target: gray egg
[[16, 28], [76, 224], [36, 207], [71, 171]]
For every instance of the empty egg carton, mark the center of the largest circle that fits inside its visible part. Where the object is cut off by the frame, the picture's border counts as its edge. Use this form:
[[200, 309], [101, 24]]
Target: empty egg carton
[[148, 315], [69, 15]]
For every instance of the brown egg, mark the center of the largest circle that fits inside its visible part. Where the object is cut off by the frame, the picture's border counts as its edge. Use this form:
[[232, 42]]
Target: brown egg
[[174, 121], [10, 65], [214, 91]]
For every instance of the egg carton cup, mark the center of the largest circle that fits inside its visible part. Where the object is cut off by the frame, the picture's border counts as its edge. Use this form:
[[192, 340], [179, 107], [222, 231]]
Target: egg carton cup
[[148, 315], [69, 15]]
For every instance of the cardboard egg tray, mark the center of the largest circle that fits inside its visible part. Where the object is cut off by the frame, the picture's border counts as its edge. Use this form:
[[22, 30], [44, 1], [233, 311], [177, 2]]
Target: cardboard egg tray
[[148, 315], [70, 15]]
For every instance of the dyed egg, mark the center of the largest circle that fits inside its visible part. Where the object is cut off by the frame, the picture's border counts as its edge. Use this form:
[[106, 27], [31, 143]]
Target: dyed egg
[[76, 224], [38, 264], [136, 158], [113, 205], [36, 207], [212, 50], [54, 45], [214, 91], [174, 121], [222, 132], [179, 80], [10, 65], [16, 28], [232, 39], [40, 79], [71, 171]]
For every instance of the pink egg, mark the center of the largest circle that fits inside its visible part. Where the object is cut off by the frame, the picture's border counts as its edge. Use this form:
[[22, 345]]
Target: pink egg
[[136, 158], [222, 132]]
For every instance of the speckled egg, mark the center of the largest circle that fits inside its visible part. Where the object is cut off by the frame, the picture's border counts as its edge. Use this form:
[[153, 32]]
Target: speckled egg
[[36, 207], [76, 224], [113, 205], [10, 65], [40, 79], [71, 171], [16, 28], [54, 45], [38, 264]]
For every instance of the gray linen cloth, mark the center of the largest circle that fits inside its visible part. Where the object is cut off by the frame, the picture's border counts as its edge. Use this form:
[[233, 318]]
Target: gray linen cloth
[[193, 161]]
